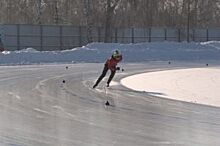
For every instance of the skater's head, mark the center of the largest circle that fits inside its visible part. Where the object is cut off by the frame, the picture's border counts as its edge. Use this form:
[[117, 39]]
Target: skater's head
[[116, 55]]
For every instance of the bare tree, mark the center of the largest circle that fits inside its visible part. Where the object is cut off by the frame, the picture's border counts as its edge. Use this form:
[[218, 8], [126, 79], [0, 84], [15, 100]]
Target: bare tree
[[89, 21], [39, 11], [188, 18], [56, 14], [110, 7], [112, 13]]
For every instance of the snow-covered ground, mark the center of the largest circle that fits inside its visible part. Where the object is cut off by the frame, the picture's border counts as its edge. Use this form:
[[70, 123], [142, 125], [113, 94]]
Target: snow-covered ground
[[192, 85], [98, 52], [197, 85]]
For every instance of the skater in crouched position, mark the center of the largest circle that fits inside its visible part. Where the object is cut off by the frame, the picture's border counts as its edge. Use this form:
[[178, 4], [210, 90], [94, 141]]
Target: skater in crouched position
[[110, 64]]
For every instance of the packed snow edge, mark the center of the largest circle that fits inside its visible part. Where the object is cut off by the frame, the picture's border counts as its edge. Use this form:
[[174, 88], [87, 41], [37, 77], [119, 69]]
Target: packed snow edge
[[98, 52]]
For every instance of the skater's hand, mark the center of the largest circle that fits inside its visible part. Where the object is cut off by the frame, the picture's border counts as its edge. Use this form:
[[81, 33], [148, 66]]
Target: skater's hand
[[117, 68]]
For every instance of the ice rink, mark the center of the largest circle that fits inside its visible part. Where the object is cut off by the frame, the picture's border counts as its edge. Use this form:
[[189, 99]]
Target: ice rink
[[37, 108]]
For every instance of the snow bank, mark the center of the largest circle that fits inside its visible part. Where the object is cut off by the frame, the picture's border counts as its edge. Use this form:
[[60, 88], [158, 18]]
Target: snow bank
[[200, 85], [98, 52]]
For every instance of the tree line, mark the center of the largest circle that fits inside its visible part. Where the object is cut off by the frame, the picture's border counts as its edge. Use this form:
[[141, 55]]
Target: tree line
[[112, 13]]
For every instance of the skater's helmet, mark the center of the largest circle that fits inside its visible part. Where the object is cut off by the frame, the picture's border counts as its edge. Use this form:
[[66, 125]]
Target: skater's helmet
[[116, 54]]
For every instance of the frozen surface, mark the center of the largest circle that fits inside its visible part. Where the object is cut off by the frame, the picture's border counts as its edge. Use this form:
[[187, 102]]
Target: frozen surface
[[198, 85], [38, 109]]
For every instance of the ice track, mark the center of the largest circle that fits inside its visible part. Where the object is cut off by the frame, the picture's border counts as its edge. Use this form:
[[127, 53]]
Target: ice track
[[38, 109]]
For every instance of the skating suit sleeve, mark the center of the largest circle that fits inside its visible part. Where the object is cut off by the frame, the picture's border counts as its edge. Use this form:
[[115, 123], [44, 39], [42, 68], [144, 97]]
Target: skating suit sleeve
[[112, 63]]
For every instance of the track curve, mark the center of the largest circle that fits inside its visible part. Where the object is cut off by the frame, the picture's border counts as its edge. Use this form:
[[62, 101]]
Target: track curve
[[38, 108]]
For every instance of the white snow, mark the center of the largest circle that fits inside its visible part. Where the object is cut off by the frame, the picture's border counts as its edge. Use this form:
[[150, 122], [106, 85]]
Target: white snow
[[27, 50], [197, 85], [214, 44], [98, 52], [113, 83]]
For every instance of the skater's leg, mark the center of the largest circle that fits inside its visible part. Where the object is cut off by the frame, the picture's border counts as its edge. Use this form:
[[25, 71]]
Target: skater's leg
[[101, 76], [110, 78]]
